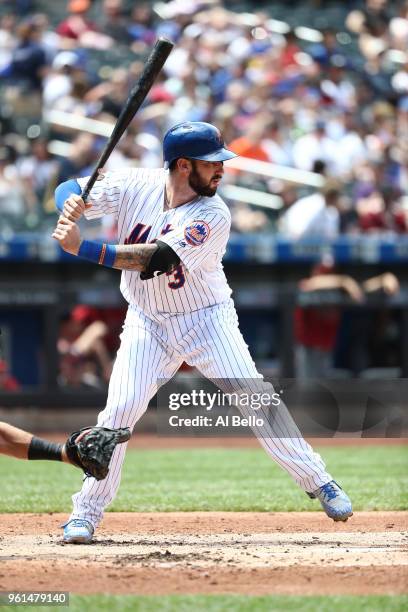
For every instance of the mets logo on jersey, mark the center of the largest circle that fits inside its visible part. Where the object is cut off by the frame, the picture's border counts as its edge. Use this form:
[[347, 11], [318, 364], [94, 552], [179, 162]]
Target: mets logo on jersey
[[196, 233]]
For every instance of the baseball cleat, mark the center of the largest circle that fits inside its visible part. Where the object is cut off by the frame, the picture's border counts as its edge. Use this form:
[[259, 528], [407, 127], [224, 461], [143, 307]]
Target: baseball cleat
[[335, 502], [78, 531]]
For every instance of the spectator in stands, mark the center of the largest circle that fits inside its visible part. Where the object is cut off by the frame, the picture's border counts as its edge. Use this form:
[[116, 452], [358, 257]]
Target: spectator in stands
[[49, 39], [21, 7], [77, 29], [316, 145], [58, 81], [251, 144], [314, 217], [379, 210], [110, 96], [84, 359], [316, 327], [8, 382], [276, 145], [141, 24], [74, 101], [246, 220], [337, 90], [290, 50], [12, 204], [36, 171], [371, 24], [87, 343], [114, 22], [369, 337], [111, 317], [351, 148], [7, 39], [323, 52], [83, 153], [398, 28], [76, 23], [28, 60]]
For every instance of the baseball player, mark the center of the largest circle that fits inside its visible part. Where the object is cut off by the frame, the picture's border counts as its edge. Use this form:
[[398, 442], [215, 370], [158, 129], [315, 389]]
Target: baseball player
[[90, 448], [173, 230]]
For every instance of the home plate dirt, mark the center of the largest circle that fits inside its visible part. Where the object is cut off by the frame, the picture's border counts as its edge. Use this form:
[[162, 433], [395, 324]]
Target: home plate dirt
[[252, 553]]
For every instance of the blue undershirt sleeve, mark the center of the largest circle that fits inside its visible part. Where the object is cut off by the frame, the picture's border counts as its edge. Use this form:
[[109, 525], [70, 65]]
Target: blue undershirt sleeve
[[64, 190]]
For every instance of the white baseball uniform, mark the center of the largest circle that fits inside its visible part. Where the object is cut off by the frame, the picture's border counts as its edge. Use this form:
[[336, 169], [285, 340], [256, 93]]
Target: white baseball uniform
[[187, 315]]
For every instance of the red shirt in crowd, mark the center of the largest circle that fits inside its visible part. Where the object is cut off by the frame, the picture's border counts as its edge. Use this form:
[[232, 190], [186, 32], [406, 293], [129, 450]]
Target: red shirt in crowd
[[112, 317], [7, 381], [317, 327]]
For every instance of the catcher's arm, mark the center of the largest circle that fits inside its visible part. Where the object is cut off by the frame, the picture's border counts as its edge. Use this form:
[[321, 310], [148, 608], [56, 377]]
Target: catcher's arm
[[90, 448], [14, 441], [21, 444]]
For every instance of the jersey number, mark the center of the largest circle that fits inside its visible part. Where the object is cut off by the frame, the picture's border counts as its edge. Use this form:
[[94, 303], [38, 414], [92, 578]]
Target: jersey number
[[177, 277]]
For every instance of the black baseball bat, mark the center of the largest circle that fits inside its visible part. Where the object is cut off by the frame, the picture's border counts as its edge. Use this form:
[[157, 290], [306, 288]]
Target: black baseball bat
[[154, 64]]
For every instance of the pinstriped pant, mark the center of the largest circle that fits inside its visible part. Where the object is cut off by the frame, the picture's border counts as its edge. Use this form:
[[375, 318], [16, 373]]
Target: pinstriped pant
[[211, 341]]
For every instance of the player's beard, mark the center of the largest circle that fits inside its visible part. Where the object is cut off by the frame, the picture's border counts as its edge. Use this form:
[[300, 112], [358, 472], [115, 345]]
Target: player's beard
[[197, 183]]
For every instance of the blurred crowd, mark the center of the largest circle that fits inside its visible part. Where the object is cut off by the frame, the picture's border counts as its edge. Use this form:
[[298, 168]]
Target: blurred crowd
[[87, 344], [331, 101]]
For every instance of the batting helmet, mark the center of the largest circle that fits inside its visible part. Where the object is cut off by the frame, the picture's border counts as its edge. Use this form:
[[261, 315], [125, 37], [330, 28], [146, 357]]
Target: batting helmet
[[194, 140]]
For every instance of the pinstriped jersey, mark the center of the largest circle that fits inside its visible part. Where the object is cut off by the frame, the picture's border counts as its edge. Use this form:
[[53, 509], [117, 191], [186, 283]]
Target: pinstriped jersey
[[197, 231]]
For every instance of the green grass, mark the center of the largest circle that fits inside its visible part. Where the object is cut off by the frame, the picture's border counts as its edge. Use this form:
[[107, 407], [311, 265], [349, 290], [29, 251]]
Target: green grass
[[376, 478], [231, 603]]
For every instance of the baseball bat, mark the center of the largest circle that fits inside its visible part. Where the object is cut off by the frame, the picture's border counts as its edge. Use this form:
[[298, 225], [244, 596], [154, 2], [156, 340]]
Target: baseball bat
[[138, 93]]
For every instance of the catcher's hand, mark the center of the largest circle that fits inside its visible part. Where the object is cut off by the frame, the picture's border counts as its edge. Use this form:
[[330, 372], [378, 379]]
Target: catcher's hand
[[91, 448]]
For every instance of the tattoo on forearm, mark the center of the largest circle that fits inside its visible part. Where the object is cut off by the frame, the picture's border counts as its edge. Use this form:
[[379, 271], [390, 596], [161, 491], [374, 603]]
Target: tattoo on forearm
[[133, 256]]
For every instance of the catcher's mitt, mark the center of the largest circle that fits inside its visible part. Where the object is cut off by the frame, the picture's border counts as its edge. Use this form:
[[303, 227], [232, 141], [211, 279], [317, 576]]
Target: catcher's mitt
[[93, 452]]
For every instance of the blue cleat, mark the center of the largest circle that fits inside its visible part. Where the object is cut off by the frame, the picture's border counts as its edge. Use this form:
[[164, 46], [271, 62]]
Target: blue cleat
[[78, 531], [334, 500]]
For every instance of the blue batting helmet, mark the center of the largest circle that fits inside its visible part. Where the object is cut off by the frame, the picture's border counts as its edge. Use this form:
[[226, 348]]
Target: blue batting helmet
[[194, 140]]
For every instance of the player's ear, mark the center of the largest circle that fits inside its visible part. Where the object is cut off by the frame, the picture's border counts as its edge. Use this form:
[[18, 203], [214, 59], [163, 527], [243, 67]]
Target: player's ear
[[184, 166]]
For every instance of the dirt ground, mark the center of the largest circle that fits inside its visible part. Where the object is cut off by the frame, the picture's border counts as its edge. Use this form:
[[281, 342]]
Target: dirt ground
[[210, 552]]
